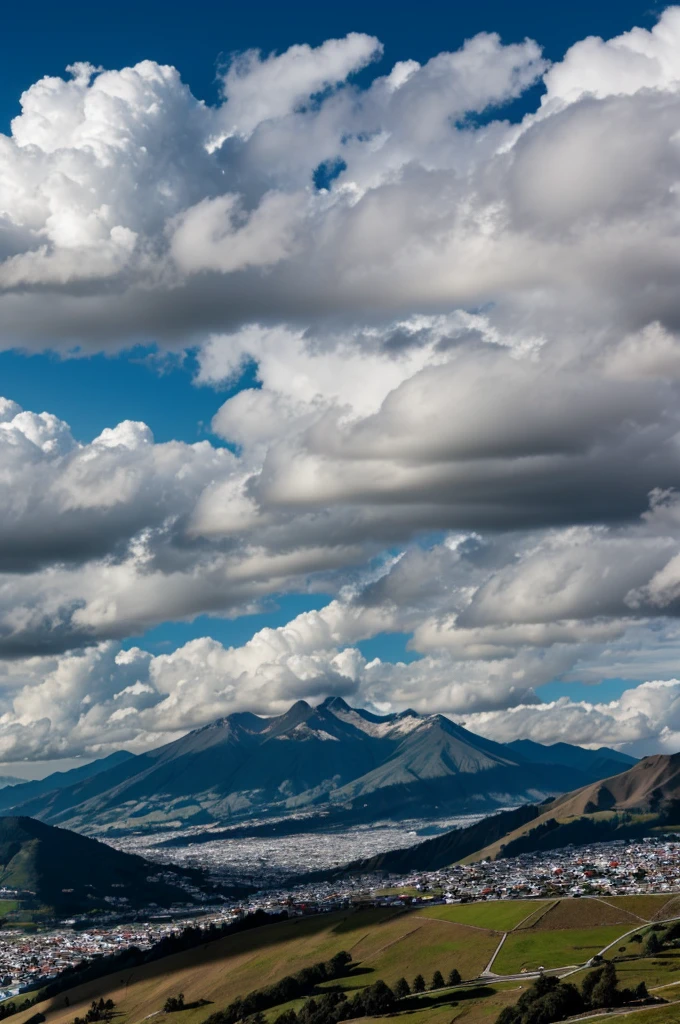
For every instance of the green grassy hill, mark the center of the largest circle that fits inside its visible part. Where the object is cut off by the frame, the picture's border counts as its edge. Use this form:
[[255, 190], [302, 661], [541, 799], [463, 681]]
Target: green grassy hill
[[390, 943], [61, 869]]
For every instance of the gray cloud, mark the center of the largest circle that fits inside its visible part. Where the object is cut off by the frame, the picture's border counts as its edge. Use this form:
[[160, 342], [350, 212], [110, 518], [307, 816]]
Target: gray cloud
[[468, 355]]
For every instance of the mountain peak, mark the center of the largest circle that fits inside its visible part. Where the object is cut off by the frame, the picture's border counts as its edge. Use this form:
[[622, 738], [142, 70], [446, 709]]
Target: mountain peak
[[334, 704]]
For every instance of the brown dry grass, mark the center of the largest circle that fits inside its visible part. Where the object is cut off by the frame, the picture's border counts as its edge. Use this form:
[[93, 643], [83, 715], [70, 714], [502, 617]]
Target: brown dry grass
[[584, 913], [644, 907], [538, 914], [669, 909], [387, 943]]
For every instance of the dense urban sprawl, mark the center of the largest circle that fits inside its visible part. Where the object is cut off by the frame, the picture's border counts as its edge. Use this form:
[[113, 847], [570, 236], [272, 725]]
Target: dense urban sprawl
[[616, 868]]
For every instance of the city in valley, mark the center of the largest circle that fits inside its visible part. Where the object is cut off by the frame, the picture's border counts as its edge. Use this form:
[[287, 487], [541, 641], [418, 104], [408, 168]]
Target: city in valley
[[619, 868]]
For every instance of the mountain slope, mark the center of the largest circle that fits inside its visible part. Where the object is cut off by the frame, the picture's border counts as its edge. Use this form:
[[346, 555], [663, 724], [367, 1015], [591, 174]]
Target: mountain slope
[[632, 803], [62, 869], [330, 759]]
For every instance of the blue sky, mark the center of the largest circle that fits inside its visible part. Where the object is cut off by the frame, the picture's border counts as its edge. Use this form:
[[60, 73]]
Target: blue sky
[[43, 38], [156, 382], [165, 396]]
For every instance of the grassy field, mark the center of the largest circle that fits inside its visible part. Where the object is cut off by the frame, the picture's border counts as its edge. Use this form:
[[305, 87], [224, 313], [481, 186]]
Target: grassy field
[[644, 907], [532, 949], [660, 1015], [585, 913], [478, 1006], [655, 971], [7, 906], [497, 915], [385, 943]]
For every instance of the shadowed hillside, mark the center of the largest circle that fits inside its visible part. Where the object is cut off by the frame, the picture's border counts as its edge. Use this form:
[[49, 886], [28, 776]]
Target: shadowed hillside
[[64, 870]]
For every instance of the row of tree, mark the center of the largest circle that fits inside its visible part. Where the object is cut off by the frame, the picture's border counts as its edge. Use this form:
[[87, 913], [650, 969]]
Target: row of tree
[[291, 987], [550, 999], [128, 959], [403, 989], [9, 1008], [373, 1001]]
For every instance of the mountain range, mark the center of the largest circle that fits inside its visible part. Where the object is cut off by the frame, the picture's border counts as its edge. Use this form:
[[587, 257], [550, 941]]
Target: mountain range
[[643, 800], [332, 760]]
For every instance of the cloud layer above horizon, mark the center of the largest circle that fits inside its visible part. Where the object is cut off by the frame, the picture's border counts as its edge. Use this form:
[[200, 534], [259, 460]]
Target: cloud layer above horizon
[[466, 423]]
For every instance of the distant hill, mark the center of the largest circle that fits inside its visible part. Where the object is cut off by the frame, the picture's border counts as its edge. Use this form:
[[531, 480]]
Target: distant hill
[[9, 780], [341, 762], [601, 762], [16, 791], [633, 803], [67, 871]]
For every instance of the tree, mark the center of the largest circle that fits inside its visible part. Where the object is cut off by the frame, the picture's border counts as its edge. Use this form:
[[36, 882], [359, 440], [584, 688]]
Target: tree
[[338, 964], [652, 945], [402, 989], [641, 991], [418, 983], [174, 1003], [604, 992], [377, 999], [588, 984], [454, 977], [437, 980], [509, 1015]]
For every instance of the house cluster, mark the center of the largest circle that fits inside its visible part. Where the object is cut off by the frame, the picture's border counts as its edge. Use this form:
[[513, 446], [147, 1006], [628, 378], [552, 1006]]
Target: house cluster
[[616, 868]]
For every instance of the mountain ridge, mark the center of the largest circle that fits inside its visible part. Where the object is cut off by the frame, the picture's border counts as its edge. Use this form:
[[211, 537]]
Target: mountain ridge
[[326, 759], [644, 798]]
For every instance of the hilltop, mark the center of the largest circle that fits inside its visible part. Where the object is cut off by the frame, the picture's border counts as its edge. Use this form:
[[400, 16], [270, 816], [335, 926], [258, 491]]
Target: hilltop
[[65, 871], [334, 760]]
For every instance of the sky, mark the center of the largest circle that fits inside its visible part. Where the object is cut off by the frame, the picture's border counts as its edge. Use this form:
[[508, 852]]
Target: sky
[[339, 354]]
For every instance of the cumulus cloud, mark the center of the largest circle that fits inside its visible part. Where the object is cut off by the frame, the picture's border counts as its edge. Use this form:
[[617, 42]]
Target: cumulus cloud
[[157, 215], [645, 718], [466, 351]]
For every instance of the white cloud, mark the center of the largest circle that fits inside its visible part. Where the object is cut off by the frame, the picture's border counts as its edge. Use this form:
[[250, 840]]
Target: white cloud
[[467, 353]]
